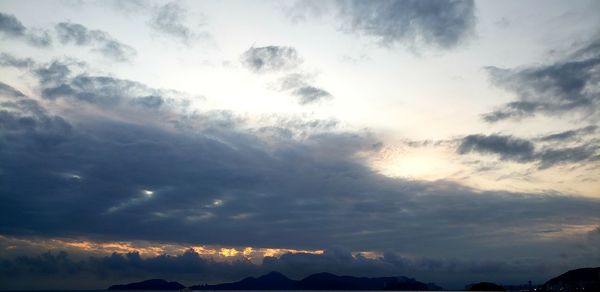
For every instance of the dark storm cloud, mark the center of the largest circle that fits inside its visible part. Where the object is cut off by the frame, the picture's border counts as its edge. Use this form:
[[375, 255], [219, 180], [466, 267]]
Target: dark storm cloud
[[270, 59], [77, 34], [567, 86], [308, 192], [168, 19], [521, 150], [440, 23], [208, 178], [12, 27]]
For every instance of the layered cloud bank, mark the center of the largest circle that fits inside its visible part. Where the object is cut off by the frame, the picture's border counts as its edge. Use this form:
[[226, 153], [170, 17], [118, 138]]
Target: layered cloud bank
[[119, 151]]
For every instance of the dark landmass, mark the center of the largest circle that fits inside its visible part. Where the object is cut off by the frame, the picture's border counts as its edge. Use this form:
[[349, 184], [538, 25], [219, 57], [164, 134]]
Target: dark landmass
[[585, 279], [522, 287], [486, 286], [326, 281], [270, 281], [321, 281], [154, 284]]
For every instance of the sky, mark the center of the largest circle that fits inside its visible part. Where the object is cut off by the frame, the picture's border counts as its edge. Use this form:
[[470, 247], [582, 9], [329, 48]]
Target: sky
[[206, 141]]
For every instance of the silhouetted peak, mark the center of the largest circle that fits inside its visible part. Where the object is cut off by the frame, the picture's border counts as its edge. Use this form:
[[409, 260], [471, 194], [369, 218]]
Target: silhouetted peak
[[273, 275], [322, 275], [152, 284], [319, 281], [486, 286], [584, 279]]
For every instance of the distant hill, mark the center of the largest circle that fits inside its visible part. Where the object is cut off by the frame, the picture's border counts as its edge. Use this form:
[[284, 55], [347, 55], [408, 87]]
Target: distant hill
[[326, 281], [486, 286], [154, 284], [585, 279], [270, 281], [321, 281]]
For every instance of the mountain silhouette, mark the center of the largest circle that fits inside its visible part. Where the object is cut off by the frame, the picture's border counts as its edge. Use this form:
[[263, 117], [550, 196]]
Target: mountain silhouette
[[486, 286], [320, 281], [585, 279], [270, 281], [154, 284]]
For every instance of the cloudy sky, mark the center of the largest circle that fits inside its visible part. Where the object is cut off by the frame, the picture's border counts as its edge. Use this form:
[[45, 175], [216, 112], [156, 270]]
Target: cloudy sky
[[206, 141]]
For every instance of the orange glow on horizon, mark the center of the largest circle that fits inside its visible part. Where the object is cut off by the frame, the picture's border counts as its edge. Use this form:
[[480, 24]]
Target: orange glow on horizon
[[144, 248]]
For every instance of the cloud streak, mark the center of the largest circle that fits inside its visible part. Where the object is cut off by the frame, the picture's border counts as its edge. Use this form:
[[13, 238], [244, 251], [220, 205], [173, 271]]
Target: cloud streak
[[569, 86], [570, 134], [511, 148], [300, 85], [310, 94], [103, 43], [8, 60], [12, 27], [508, 147]]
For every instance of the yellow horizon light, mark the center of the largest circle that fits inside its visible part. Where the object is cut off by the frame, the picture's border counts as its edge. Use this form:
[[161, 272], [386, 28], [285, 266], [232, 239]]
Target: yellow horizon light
[[228, 252]]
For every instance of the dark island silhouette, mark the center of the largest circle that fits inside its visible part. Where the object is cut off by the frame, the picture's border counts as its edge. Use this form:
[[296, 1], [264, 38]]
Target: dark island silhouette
[[585, 279], [278, 281], [154, 284], [486, 286], [321, 281]]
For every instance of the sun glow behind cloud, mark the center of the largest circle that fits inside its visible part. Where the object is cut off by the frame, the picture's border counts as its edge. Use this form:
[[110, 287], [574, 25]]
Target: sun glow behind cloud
[[440, 162], [427, 163]]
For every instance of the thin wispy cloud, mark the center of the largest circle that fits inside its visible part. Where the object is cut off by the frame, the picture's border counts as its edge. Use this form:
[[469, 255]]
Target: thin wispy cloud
[[270, 59], [565, 87], [102, 42], [299, 85], [279, 59], [169, 19], [571, 134]]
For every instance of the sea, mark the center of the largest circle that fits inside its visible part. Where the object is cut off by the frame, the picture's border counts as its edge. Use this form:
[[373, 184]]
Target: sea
[[214, 290]]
